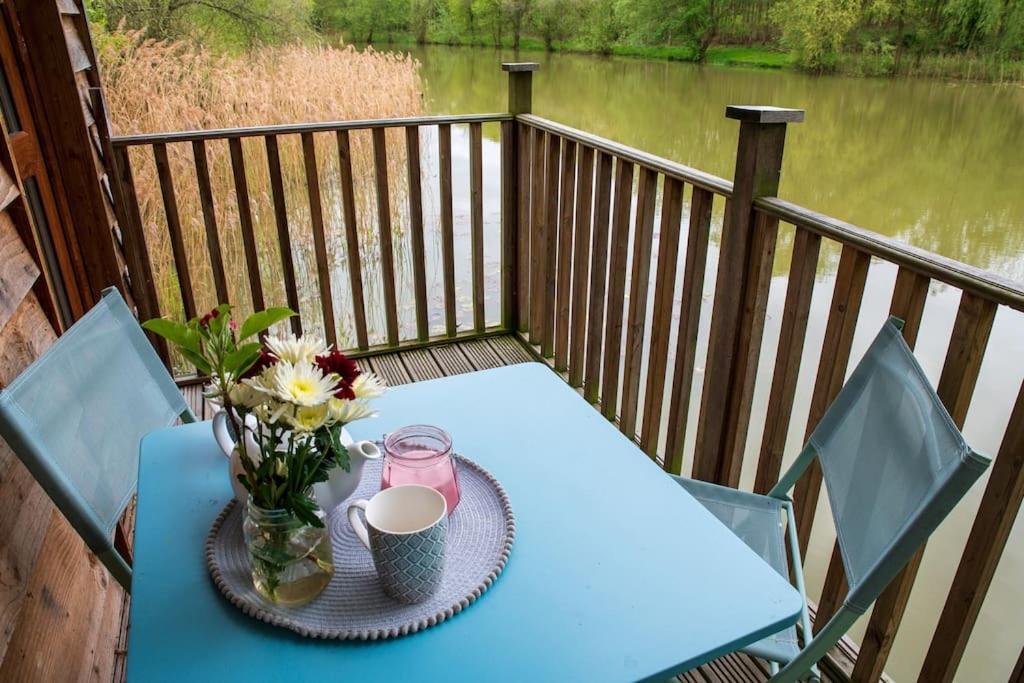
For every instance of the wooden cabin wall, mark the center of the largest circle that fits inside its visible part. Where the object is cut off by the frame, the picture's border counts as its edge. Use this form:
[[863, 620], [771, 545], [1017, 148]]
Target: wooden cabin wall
[[60, 71], [59, 607]]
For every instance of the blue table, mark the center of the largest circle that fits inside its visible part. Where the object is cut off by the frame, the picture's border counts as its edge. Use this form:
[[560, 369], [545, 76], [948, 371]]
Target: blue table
[[617, 573]]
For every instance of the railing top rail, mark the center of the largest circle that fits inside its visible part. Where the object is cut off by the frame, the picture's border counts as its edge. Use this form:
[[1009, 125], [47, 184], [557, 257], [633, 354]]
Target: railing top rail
[[687, 174], [988, 285], [291, 129]]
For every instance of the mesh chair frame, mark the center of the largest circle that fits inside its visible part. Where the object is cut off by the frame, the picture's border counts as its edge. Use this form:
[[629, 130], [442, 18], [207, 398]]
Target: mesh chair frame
[[37, 458], [908, 541]]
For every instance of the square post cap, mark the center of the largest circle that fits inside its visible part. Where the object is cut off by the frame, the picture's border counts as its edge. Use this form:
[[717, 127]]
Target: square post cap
[[757, 114], [515, 67]]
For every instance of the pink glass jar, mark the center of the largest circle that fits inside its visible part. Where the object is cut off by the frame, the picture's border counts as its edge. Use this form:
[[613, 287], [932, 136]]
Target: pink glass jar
[[421, 454]]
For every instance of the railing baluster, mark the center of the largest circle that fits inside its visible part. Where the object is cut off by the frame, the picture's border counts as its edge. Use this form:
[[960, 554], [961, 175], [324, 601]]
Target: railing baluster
[[550, 245], [792, 334], [284, 239], [581, 265], [348, 206], [252, 262], [444, 173], [1000, 505], [689, 322], [538, 233], [751, 333], [509, 227], [316, 215], [419, 259], [598, 277], [476, 207], [137, 253], [616, 288], [643, 239], [661, 320], [163, 169], [725, 396], [847, 295], [959, 376], [524, 236], [220, 281], [387, 265], [562, 291], [908, 300]]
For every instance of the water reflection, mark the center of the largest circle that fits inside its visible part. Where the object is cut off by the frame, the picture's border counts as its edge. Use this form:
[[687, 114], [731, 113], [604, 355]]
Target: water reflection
[[932, 163]]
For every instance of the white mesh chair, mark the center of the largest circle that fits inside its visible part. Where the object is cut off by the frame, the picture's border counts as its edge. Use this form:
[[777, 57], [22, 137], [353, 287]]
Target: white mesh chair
[[894, 465], [75, 418]]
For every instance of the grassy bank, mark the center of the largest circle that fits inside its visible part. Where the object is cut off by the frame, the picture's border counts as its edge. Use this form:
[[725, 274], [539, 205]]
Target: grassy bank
[[867, 64]]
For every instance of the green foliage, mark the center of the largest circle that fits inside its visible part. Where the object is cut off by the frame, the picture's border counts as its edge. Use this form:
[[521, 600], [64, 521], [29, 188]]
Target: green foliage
[[211, 344], [555, 20], [816, 29], [219, 23], [871, 37]]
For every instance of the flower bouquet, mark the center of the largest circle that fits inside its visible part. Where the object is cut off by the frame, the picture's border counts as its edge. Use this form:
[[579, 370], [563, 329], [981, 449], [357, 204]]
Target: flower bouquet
[[288, 398]]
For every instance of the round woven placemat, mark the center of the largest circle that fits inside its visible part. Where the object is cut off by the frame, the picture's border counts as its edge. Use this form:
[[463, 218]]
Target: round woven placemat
[[354, 606]]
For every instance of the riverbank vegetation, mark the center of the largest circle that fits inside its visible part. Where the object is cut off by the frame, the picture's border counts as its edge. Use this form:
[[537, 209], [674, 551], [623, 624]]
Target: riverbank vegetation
[[971, 39]]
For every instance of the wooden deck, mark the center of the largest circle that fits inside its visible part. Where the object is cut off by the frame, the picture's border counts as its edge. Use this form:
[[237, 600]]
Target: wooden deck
[[457, 358]]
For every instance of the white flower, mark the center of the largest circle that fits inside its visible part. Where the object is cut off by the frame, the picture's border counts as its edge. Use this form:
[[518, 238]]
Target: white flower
[[302, 384], [345, 411], [292, 349], [368, 385], [245, 395], [308, 418]]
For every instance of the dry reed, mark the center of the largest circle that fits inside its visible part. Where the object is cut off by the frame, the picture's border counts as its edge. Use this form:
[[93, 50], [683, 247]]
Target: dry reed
[[157, 86]]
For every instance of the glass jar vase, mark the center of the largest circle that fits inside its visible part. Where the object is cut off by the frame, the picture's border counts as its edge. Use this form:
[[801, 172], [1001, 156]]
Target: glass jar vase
[[291, 561]]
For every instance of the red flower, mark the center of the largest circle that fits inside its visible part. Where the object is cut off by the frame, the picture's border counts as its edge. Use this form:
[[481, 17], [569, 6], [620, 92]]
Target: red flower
[[205, 320], [337, 363], [265, 360]]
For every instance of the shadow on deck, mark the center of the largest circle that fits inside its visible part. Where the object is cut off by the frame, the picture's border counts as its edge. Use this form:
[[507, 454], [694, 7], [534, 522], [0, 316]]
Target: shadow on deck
[[457, 358]]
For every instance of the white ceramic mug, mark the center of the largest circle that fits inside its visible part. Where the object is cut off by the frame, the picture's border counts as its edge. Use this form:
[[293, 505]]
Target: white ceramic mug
[[406, 530]]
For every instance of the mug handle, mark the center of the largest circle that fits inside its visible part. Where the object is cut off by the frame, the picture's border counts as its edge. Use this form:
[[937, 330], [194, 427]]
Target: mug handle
[[221, 433], [357, 524]]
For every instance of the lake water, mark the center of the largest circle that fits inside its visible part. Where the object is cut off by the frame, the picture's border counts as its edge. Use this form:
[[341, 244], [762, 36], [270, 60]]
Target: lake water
[[934, 164]]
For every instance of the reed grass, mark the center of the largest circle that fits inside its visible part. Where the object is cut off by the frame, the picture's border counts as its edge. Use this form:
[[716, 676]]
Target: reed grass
[[159, 86]]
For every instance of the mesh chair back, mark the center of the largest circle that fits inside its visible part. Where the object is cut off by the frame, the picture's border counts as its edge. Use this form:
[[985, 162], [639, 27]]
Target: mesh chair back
[[76, 416], [894, 463]]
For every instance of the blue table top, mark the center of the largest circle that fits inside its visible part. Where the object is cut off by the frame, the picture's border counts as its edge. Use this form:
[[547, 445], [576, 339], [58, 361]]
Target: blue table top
[[617, 573]]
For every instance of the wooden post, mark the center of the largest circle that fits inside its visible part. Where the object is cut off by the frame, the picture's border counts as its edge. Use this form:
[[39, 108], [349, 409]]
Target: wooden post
[[520, 101], [735, 335]]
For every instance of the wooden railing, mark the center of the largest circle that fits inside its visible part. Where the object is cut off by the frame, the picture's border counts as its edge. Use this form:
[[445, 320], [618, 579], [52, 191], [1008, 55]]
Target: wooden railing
[[581, 281], [583, 228], [156, 146]]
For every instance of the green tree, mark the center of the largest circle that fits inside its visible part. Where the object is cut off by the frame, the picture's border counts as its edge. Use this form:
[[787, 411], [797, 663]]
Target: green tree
[[240, 22], [421, 15], [491, 16], [518, 13], [816, 29], [600, 24], [555, 20]]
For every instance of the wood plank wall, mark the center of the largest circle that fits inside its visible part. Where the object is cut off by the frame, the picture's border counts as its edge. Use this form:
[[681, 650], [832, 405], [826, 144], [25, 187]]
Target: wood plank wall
[[59, 608], [58, 66]]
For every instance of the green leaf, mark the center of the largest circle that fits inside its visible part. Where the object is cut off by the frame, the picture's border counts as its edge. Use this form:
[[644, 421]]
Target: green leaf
[[242, 358], [202, 365], [217, 324], [257, 322], [177, 333]]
